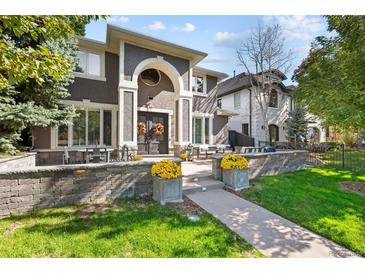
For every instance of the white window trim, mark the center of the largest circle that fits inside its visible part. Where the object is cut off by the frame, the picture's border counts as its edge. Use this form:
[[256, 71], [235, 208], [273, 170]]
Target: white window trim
[[194, 84], [102, 67], [203, 116], [87, 105]]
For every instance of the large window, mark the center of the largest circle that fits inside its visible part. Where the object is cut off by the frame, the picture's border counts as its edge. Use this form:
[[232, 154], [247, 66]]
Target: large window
[[237, 99], [201, 130], [273, 100], [90, 127], [198, 84], [245, 129], [89, 63]]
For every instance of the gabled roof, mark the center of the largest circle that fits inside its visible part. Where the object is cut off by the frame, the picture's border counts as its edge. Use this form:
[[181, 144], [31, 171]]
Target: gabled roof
[[242, 81], [115, 34]]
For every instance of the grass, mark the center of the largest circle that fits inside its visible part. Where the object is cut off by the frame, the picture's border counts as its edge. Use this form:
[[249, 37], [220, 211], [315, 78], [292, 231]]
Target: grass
[[125, 229], [314, 199]]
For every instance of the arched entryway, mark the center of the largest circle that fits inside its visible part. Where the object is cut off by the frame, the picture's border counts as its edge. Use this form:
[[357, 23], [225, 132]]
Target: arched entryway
[[273, 134]]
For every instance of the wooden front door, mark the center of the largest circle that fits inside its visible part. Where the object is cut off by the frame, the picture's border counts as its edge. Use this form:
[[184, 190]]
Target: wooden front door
[[149, 142]]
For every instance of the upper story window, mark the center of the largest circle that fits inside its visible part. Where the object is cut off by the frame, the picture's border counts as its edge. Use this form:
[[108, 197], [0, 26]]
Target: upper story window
[[237, 99], [198, 84], [151, 77], [219, 103], [89, 63], [273, 100]]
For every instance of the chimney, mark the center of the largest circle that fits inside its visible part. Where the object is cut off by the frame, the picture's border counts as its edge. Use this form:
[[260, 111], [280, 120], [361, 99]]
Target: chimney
[[234, 74]]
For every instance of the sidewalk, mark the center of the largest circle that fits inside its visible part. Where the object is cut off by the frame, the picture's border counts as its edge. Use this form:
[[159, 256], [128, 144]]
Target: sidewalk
[[273, 235]]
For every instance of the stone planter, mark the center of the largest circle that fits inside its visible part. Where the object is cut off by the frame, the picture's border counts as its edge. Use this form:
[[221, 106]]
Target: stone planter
[[167, 190], [236, 179]]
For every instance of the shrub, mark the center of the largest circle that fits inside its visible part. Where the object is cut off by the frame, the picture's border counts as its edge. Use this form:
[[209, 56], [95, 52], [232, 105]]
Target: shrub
[[166, 169], [232, 161], [137, 158], [184, 156]]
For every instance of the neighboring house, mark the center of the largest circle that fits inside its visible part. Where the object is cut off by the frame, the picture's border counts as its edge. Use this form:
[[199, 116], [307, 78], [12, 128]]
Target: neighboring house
[[236, 95], [133, 84]]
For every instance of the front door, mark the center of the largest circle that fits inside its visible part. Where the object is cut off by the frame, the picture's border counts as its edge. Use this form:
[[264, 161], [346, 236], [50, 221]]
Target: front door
[[152, 133]]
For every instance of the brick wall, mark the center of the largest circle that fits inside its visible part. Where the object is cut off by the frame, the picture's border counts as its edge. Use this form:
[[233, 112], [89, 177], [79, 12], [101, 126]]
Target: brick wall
[[262, 164], [53, 186]]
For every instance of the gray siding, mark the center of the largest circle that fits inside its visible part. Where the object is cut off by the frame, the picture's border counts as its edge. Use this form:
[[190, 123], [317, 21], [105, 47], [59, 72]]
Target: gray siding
[[211, 82], [134, 55], [98, 91], [41, 138], [186, 120]]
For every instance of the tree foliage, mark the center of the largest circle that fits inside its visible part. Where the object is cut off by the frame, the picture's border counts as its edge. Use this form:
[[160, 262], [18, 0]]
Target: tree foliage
[[331, 80], [297, 125], [37, 58]]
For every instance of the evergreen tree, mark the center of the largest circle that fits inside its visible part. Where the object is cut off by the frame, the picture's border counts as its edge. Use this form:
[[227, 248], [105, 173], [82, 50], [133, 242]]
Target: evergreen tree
[[37, 58], [297, 126]]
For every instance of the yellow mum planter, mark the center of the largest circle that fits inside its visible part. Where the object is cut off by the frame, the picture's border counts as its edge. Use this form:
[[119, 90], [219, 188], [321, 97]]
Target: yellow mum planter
[[235, 172], [167, 182]]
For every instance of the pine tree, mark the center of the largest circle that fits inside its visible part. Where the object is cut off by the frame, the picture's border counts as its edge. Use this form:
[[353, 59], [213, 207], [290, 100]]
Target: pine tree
[[297, 126]]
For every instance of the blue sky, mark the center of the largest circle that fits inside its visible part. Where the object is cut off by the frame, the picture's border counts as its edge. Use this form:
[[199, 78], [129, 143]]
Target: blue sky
[[218, 36]]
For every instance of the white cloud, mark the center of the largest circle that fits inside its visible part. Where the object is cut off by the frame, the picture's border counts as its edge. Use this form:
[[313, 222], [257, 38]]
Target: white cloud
[[189, 27], [157, 25], [298, 27], [118, 19], [225, 38]]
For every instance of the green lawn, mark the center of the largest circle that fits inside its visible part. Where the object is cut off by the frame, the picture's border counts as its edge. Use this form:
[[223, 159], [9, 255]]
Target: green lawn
[[314, 199], [127, 229]]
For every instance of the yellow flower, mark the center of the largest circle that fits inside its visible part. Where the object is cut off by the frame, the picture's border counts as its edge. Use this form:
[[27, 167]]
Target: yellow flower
[[232, 161], [183, 156], [166, 169]]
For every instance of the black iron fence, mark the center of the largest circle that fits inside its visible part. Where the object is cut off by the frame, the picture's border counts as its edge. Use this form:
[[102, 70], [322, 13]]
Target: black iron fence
[[337, 155]]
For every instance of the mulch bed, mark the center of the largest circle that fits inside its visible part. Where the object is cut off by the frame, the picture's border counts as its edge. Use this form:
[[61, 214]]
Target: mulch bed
[[357, 187], [189, 207]]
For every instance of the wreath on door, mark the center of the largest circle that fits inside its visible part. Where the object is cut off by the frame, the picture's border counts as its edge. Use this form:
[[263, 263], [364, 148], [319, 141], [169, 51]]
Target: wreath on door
[[141, 128], [158, 129]]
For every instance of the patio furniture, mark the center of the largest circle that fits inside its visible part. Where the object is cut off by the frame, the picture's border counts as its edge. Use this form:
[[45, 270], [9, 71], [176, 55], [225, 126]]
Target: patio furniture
[[97, 154]]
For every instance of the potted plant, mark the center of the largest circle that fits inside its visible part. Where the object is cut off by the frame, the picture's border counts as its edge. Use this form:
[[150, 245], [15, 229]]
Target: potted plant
[[235, 171], [167, 182]]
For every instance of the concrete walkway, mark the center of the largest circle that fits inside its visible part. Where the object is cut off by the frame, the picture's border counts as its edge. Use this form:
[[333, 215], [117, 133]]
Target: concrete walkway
[[273, 235]]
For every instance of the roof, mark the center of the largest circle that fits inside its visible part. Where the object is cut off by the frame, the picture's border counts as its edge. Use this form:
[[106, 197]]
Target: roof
[[115, 34], [242, 81], [219, 75]]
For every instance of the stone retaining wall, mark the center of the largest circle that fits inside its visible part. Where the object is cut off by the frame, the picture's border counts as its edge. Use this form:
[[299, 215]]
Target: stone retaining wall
[[52, 186], [22, 161], [261, 164]]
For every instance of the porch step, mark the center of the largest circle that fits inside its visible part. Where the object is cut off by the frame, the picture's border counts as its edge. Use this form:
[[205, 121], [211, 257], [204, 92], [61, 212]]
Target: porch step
[[197, 184]]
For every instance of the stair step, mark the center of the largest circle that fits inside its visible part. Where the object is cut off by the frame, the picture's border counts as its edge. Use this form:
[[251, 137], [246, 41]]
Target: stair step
[[203, 184]]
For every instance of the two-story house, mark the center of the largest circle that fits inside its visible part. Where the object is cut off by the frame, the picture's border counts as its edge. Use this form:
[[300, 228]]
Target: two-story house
[[236, 95], [137, 91]]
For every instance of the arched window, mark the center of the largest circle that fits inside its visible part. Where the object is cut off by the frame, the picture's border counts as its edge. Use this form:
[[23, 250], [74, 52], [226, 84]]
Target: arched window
[[274, 134], [273, 100]]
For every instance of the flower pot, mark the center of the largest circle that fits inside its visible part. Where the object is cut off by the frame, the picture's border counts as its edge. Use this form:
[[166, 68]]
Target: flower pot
[[167, 190], [236, 179]]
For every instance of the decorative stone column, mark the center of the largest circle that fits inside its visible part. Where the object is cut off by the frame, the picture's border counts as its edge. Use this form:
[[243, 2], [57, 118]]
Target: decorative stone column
[[183, 132]]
